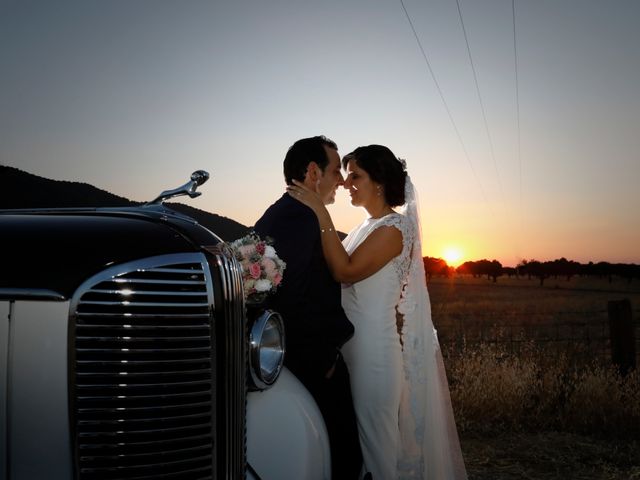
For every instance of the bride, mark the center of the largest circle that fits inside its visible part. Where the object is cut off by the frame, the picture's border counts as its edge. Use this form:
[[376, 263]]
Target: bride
[[400, 390]]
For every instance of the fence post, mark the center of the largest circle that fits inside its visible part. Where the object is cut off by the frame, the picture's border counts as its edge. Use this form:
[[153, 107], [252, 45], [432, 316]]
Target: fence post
[[622, 334]]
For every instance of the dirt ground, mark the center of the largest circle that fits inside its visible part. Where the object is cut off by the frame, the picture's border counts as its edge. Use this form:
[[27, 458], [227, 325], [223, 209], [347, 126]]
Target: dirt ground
[[550, 456]]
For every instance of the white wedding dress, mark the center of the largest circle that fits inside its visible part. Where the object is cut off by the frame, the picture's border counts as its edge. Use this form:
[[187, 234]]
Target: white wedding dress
[[374, 353], [400, 391]]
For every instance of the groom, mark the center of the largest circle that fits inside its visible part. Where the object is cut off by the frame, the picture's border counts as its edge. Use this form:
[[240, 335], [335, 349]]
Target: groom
[[309, 299]]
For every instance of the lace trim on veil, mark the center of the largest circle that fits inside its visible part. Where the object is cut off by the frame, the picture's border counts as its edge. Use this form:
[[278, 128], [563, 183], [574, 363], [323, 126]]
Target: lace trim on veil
[[430, 448]]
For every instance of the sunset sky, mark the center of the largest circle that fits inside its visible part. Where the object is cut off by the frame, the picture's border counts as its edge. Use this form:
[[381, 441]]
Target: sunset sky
[[133, 95]]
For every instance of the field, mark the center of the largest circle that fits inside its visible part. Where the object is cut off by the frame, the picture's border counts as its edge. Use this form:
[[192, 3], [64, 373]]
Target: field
[[532, 384]]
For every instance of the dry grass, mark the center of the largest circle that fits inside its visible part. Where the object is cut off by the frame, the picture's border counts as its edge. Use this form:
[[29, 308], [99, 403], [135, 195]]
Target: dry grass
[[495, 391], [538, 411]]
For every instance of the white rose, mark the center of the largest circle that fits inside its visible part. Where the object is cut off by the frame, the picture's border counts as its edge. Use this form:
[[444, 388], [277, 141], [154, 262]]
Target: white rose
[[270, 252], [262, 285]]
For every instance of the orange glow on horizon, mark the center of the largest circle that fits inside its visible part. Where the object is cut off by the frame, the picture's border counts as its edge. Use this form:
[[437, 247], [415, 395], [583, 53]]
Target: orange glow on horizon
[[452, 255]]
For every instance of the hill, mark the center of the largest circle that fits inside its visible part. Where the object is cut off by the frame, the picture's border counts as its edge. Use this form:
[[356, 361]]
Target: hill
[[20, 189]]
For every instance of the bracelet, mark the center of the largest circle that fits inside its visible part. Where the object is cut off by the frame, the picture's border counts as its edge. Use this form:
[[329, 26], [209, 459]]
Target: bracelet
[[322, 230]]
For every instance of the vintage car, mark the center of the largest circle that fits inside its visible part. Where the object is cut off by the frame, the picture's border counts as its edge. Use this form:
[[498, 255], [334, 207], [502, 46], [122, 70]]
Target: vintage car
[[127, 352]]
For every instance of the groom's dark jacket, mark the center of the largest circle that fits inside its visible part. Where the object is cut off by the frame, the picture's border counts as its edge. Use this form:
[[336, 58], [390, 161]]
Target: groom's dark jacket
[[308, 297]]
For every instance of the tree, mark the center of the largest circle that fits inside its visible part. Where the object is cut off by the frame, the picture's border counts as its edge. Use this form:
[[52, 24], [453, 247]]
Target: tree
[[492, 269], [436, 266], [563, 267], [536, 269]]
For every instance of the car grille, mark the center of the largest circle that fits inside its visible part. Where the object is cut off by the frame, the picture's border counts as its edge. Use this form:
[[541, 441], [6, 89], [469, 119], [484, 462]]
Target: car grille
[[142, 372], [233, 337]]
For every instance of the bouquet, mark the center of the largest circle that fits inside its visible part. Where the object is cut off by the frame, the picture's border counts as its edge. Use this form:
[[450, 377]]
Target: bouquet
[[261, 268]]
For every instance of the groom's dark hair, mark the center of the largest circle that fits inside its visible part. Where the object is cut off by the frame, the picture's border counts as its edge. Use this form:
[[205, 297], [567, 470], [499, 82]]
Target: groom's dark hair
[[302, 153]]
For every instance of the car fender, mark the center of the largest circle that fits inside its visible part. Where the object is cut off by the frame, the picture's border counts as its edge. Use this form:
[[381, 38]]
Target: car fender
[[286, 435]]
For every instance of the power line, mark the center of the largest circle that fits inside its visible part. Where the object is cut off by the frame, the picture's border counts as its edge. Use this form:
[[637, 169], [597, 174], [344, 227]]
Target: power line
[[515, 61], [519, 153], [446, 106], [484, 115], [486, 123]]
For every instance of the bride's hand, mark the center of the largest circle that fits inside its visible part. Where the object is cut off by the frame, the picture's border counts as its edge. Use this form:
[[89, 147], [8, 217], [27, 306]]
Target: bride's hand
[[301, 193]]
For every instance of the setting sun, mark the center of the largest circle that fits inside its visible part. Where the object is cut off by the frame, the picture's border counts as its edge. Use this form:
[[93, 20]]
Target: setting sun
[[452, 255]]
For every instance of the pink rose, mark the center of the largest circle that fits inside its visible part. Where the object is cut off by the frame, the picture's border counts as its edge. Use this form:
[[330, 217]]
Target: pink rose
[[254, 270], [277, 278], [260, 248]]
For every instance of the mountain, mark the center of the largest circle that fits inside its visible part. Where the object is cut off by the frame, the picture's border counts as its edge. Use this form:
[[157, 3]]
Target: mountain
[[224, 227], [20, 189]]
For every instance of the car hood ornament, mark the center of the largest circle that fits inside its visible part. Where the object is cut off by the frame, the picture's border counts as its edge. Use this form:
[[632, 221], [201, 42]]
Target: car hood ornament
[[197, 178]]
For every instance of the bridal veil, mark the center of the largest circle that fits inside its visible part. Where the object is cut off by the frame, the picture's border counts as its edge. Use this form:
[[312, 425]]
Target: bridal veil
[[430, 445]]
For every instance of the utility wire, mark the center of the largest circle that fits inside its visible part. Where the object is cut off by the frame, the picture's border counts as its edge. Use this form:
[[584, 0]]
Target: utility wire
[[515, 61], [446, 106], [486, 124], [519, 152], [484, 115]]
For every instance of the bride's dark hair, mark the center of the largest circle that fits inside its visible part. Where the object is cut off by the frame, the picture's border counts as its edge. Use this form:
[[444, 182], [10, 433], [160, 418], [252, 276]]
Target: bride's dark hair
[[384, 168]]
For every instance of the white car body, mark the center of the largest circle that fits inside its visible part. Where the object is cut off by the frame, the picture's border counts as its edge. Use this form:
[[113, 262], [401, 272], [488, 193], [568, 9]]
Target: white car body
[[286, 436]]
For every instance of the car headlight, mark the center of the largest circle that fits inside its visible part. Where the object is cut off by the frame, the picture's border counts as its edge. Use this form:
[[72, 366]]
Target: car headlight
[[266, 349]]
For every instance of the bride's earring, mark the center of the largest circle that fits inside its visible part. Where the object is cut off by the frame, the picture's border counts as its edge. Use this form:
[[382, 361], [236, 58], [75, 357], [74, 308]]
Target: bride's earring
[[379, 193]]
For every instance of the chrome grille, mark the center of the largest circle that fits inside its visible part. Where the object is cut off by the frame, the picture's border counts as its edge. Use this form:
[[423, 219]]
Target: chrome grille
[[142, 372], [233, 374]]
